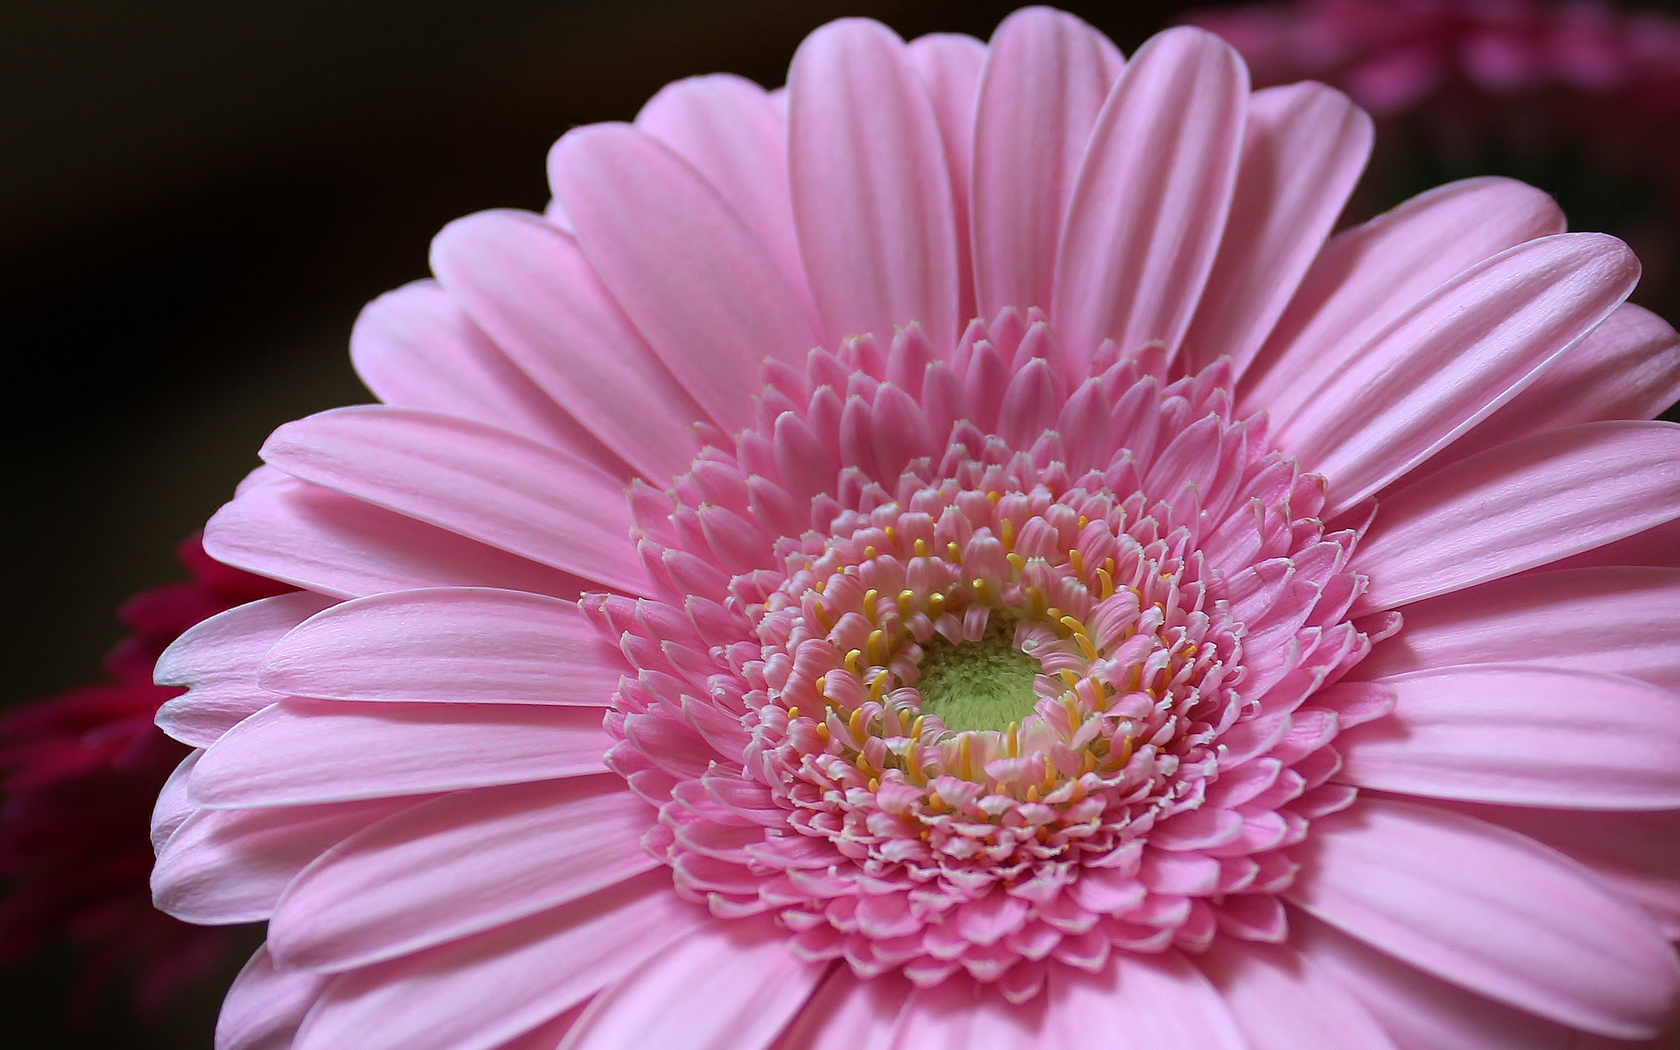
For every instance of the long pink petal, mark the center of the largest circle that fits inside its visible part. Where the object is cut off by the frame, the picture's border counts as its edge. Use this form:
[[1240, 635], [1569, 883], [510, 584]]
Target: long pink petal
[[1139, 1002], [529, 286], [1045, 81], [448, 644], [871, 193], [231, 866], [1282, 1001], [263, 1008], [728, 128], [479, 992], [173, 805], [708, 295], [950, 65], [1150, 201], [1616, 619], [456, 865], [1492, 911], [1521, 735], [725, 986], [1527, 503], [847, 1013], [485, 484], [1463, 350], [958, 1014], [304, 751], [1367, 277], [218, 660], [1303, 149], [325, 541]]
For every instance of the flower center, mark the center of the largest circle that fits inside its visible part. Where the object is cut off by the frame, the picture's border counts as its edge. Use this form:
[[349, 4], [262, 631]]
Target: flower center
[[986, 684]]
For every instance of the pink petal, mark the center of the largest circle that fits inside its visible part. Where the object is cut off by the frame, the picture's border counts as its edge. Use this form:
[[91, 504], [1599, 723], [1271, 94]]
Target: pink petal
[[1045, 81], [1303, 150], [325, 541], [847, 1013], [485, 484], [871, 192], [456, 865], [448, 644], [304, 751], [1489, 910], [708, 295], [1282, 1001], [230, 866], [1521, 735], [1616, 619], [218, 660], [263, 1008], [415, 348], [725, 986], [1523, 504], [1139, 1002], [529, 286], [1463, 350], [174, 805], [958, 1014], [477, 993], [728, 128], [949, 65], [1367, 277], [1150, 201]]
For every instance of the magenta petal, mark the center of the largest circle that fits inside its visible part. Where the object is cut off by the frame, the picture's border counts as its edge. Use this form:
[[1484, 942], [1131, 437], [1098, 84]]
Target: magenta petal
[[1522, 735], [950, 64], [489, 485], [706, 293], [725, 986], [871, 194], [476, 993], [303, 751], [1149, 205], [264, 1007], [1139, 1002], [1526, 503], [1282, 1001], [456, 865], [1492, 911], [448, 645], [1046, 78]]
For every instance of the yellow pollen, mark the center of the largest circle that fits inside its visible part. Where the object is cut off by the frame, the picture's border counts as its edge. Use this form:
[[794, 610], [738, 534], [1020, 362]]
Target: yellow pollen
[[1099, 694], [921, 548], [1006, 533], [904, 599], [1077, 561], [965, 757], [1105, 583], [1125, 751], [874, 785], [1074, 719], [953, 552], [1070, 676], [822, 616], [935, 803], [1053, 614], [1016, 562], [870, 597], [892, 535], [916, 727], [822, 731], [877, 685], [1012, 744], [852, 659], [869, 553], [1032, 792], [935, 604], [793, 712], [1083, 521], [913, 763], [978, 585], [819, 585], [994, 497], [1072, 623], [1108, 563], [1049, 783], [1085, 645], [863, 767], [877, 646]]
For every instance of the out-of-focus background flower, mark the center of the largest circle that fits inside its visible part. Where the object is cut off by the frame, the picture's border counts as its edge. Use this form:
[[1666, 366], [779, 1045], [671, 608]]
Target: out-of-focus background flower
[[197, 198]]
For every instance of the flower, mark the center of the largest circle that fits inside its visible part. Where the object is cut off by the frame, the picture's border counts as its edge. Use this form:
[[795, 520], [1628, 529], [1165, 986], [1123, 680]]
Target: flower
[[1139, 621], [81, 769]]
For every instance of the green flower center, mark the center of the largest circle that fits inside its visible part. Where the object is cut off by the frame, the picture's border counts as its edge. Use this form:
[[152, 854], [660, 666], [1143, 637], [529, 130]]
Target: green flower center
[[986, 684]]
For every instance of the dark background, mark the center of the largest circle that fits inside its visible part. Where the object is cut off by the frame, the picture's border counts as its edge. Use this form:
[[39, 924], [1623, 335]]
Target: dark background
[[196, 198]]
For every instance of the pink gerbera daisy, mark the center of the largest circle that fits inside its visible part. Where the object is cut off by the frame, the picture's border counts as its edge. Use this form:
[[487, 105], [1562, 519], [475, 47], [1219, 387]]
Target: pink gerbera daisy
[[950, 555]]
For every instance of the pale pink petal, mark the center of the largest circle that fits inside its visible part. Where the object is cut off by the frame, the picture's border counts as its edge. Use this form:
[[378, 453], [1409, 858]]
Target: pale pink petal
[[949, 65], [1616, 619], [725, 986], [1418, 1011], [456, 644], [1522, 735], [1367, 277], [230, 866], [1046, 79], [1526, 503], [1463, 350], [477, 993], [733, 134], [1657, 546], [957, 1014], [218, 660], [456, 865], [174, 805], [548, 1035], [871, 191], [485, 484], [1492, 911], [264, 1007], [1628, 368], [700, 286], [1139, 1002], [415, 348], [1282, 1001], [1150, 201], [303, 751], [848, 1013], [1303, 150], [325, 541], [529, 286]]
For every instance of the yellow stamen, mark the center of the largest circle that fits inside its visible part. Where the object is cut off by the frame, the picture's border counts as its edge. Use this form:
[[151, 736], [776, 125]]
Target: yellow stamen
[[1085, 645], [819, 585], [1032, 792], [1072, 707], [793, 712], [870, 597], [916, 727], [892, 535], [822, 731], [994, 497], [981, 595], [904, 599], [1105, 584], [869, 553], [1012, 743], [921, 548], [856, 725], [852, 659], [1006, 533], [953, 552], [1070, 676], [822, 616], [965, 757], [877, 686], [936, 605], [874, 785], [877, 646], [1088, 764], [1016, 562], [1072, 623], [935, 803], [913, 763], [1077, 561]]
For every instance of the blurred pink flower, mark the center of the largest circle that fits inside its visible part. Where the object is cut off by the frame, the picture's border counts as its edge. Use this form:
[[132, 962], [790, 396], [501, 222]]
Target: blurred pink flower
[[1030, 664], [81, 770]]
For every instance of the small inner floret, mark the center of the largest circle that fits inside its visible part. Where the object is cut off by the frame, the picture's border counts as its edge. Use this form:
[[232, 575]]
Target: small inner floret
[[987, 684]]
